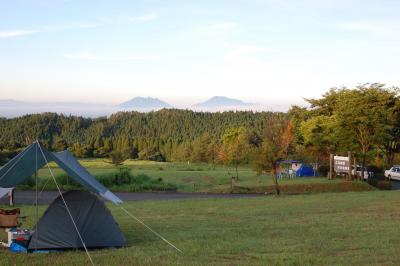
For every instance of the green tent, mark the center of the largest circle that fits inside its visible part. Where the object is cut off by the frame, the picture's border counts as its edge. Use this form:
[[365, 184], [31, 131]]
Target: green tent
[[90, 224]]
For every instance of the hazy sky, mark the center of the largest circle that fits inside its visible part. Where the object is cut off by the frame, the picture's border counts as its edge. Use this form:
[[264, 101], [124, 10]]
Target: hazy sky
[[186, 51]]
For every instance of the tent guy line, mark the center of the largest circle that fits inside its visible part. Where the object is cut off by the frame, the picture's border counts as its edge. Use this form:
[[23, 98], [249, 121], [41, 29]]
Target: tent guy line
[[66, 205], [27, 163], [148, 227]]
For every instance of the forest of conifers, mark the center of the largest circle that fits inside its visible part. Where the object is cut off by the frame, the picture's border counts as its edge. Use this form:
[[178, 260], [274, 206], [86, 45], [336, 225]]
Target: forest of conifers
[[166, 134], [364, 120]]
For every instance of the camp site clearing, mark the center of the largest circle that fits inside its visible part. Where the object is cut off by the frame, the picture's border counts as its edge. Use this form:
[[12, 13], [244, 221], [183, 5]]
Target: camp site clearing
[[321, 228], [359, 228]]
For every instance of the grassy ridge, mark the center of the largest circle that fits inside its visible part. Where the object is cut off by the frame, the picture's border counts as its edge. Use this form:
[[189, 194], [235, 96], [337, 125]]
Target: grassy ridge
[[359, 228]]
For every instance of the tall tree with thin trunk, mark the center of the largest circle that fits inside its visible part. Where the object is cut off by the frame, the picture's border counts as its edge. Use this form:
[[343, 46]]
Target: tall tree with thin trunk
[[274, 147], [235, 148]]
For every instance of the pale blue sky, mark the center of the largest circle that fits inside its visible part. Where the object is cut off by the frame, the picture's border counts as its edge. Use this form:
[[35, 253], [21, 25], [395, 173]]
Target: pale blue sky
[[186, 51]]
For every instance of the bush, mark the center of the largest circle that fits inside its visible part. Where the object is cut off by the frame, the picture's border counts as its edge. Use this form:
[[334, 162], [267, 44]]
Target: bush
[[66, 182], [157, 157], [117, 158], [123, 180], [123, 176], [29, 182], [323, 170], [5, 156], [118, 180]]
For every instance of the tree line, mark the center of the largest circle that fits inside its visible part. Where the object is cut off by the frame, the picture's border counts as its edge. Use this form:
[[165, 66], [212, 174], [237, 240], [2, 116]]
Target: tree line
[[165, 135], [364, 120]]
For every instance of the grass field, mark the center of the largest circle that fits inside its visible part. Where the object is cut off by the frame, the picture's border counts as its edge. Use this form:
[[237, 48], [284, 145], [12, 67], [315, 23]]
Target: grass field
[[359, 228], [207, 178]]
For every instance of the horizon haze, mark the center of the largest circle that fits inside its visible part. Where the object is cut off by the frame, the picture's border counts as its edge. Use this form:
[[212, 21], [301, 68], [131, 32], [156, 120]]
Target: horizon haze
[[11, 108], [268, 52]]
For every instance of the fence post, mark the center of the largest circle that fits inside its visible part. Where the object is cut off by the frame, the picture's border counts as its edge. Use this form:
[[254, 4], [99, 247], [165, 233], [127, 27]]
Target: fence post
[[330, 176], [11, 198], [355, 167], [350, 168]]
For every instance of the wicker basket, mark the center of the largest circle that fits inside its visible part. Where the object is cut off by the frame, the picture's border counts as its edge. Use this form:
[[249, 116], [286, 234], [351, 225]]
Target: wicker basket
[[9, 218]]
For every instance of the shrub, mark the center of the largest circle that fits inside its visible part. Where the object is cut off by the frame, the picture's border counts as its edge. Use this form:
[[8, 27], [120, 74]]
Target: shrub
[[123, 180], [65, 181], [157, 156], [5, 156], [118, 180], [117, 158], [323, 170], [28, 183]]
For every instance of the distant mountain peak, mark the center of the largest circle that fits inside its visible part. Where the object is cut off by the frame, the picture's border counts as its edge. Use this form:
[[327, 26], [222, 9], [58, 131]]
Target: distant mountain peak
[[222, 101], [145, 103]]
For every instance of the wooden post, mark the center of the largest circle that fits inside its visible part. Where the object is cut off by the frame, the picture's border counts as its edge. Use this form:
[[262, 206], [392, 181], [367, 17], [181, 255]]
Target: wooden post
[[350, 168], [330, 176], [11, 198], [355, 167]]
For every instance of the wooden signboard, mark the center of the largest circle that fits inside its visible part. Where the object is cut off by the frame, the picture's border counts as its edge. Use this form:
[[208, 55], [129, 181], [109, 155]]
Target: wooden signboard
[[341, 164]]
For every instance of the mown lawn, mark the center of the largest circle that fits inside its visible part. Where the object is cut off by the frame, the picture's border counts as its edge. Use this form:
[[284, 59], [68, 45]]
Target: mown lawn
[[193, 177], [358, 228]]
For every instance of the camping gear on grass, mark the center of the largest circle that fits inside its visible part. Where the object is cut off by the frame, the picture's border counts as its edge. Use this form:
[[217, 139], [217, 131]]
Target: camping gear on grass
[[18, 248], [9, 218], [56, 231], [19, 236], [71, 223]]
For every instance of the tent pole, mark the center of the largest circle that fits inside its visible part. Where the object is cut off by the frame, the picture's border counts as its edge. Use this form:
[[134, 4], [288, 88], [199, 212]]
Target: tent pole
[[36, 181], [66, 205]]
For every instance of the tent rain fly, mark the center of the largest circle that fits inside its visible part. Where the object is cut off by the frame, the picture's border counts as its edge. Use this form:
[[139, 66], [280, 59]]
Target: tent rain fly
[[34, 157]]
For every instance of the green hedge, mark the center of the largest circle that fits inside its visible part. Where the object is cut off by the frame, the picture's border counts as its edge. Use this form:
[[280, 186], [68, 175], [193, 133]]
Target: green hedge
[[118, 180]]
